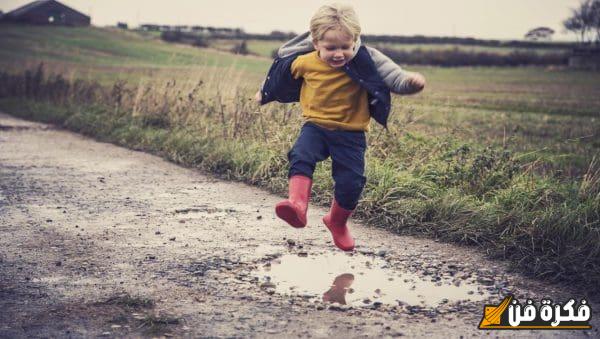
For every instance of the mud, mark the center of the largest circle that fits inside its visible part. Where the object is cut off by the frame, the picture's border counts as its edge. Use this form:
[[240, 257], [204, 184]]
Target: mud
[[98, 240]]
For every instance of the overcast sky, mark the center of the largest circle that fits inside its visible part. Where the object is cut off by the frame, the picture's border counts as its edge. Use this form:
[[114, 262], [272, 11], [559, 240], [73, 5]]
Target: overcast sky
[[488, 19]]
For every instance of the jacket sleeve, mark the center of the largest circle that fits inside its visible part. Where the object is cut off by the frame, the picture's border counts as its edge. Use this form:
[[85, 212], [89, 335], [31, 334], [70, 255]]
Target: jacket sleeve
[[393, 75], [280, 85], [299, 44]]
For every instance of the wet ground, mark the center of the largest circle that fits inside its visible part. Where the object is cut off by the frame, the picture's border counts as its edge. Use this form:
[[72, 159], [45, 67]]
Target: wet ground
[[97, 240]]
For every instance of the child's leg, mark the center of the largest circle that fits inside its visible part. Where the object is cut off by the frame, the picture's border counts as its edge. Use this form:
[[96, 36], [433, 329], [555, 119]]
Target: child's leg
[[309, 149], [348, 167]]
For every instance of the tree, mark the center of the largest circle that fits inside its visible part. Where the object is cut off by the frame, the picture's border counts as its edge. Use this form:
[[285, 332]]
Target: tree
[[241, 48], [278, 34], [575, 25], [540, 33], [594, 12], [585, 21]]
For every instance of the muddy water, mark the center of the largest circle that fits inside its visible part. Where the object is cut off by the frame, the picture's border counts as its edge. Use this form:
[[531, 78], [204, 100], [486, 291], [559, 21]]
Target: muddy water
[[361, 280]]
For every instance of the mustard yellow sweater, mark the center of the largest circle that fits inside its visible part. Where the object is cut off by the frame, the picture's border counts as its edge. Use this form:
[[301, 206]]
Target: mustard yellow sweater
[[329, 97]]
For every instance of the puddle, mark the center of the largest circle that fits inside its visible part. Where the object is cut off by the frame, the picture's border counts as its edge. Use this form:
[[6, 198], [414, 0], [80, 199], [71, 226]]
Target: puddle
[[361, 280], [268, 251]]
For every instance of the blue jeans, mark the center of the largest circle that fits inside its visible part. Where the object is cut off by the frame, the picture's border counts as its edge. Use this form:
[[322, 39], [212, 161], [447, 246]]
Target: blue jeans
[[347, 151]]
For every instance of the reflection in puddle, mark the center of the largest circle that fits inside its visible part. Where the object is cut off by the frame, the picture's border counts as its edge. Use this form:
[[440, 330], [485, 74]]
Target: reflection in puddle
[[361, 280], [339, 288]]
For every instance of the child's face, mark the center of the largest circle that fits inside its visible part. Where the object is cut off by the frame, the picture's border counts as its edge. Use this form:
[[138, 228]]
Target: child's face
[[335, 48]]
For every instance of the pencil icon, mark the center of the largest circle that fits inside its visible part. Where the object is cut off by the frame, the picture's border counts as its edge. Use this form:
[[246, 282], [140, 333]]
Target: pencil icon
[[492, 314]]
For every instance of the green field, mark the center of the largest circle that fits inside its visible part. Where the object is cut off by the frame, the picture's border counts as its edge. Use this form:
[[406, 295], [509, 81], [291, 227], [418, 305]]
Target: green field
[[545, 110], [108, 54], [502, 158], [266, 47], [263, 48], [467, 48]]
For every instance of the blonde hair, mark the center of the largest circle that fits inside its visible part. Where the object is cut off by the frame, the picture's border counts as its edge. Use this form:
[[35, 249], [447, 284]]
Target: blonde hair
[[334, 16]]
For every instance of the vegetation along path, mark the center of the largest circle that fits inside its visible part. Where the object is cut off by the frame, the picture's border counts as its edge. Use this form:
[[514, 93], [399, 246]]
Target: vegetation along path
[[101, 240]]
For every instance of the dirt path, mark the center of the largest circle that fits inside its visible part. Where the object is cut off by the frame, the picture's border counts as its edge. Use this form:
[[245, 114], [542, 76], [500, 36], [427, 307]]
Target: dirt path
[[100, 240]]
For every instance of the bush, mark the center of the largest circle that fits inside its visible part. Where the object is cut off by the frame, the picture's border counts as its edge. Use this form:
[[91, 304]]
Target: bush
[[457, 57], [241, 48], [184, 38]]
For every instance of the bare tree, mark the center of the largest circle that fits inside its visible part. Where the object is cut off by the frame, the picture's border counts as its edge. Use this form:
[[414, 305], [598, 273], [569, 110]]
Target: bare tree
[[594, 13], [574, 24], [585, 21]]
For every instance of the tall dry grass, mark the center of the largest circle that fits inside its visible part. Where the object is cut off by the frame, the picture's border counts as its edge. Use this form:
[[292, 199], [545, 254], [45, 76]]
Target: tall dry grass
[[441, 186]]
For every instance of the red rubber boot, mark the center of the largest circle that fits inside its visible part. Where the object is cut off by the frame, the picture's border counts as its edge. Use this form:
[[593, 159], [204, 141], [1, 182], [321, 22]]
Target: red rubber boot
[[336, 223], [293, 210]]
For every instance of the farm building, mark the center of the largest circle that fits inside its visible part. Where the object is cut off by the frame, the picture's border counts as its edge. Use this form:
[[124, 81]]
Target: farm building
[[47, 12]]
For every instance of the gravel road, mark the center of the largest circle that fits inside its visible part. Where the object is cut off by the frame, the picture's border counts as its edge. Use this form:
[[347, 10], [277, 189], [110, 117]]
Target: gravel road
[[98, 240]]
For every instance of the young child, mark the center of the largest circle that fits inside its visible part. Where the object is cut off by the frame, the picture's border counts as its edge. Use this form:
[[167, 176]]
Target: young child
[[340, 84]]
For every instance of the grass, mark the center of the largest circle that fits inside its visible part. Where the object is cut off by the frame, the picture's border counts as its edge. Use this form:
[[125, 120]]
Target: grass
[[112, 52], [262, 48], [265, 48], [502, 159]]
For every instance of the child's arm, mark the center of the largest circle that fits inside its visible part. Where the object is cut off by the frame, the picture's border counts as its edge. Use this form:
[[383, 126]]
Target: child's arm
[[258, 96], [398, 80], [300, 44], [282, 83]]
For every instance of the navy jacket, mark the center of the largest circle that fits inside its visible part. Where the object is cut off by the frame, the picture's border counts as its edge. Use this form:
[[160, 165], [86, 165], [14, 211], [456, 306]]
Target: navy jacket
[[281, 86]]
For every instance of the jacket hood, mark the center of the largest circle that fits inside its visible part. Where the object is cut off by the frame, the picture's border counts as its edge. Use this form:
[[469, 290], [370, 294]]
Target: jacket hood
[[303, 44]]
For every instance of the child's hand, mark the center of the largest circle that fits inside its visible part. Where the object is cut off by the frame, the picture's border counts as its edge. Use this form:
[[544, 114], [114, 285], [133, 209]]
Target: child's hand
[[416, 82], [258, 97]]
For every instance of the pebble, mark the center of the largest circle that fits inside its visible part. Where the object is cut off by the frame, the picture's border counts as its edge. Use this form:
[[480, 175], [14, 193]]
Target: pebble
[[267, 285], [485, 281], [339, 307]]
